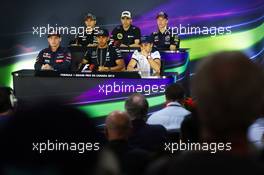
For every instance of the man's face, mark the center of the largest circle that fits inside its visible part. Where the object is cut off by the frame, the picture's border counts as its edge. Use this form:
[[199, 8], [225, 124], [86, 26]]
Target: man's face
[[89, 22], [126, 22], [54, 41], [146, 46], [162, 22], [102, 40]]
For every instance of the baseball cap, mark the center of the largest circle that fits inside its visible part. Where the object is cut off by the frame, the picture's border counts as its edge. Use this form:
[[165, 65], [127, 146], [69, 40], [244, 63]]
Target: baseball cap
[[162, 14], [53, 33], [146, 39], [102, 32], [126, 14], [90, 15]]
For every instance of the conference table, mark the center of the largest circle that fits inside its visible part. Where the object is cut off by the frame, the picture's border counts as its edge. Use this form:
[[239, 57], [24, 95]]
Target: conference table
[[99, 93]]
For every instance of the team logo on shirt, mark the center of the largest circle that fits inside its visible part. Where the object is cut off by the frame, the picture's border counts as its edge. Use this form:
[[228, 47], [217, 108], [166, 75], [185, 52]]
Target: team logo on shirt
[[167, 38], [94, 54], [46, 61], [46, 55], [60, 55], [119, 36], [176, 39]]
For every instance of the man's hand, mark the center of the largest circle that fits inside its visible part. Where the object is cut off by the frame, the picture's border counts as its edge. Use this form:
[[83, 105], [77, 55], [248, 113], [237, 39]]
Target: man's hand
[[123, 45], [46, 67], [92, 45], [103, 69], [146, 54]]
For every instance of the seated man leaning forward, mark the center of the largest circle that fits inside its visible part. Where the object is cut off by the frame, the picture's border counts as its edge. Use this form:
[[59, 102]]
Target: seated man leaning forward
[[54, 57], [104, 57], [147, 60]]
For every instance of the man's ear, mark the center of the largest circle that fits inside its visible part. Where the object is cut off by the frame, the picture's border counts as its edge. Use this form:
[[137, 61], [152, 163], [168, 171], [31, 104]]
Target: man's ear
[[60, 39]]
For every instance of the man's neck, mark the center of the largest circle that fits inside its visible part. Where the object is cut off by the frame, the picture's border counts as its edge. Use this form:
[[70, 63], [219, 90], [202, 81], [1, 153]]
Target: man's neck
[[126, 28], [173, 101], [163, 29], [89, 28], [54, 49], [144, 52]]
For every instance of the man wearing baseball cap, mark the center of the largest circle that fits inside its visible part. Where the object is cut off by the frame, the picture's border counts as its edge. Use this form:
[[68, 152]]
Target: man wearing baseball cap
[[54, 57], [104, 57], [147, 60], [163, 39], [126, 35], [88, 37]]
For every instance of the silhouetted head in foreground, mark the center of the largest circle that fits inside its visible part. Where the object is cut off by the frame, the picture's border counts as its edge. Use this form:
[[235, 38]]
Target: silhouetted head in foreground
[[137, 106], [117, 126], [49, 138], [229, 91], [174, 92]]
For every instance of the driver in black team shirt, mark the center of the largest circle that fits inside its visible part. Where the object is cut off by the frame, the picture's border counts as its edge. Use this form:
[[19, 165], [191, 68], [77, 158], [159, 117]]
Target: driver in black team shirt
[[126, 35], [88, 37], [163, 39], [104, 57]]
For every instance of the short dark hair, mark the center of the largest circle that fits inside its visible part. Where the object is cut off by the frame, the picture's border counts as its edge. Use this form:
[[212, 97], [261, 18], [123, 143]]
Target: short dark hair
[[137, 106], [174, 92]]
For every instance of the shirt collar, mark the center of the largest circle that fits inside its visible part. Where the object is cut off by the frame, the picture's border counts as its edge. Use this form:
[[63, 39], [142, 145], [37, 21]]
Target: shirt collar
[[59, 48], [174, 103], [164, 31]]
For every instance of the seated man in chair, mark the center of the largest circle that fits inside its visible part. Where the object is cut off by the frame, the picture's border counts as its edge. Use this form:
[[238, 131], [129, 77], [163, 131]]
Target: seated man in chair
[[147, 61], [104, 57]]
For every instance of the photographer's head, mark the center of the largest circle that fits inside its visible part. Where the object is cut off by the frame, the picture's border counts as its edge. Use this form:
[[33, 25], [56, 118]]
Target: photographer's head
[[137, 106], [174, 92]]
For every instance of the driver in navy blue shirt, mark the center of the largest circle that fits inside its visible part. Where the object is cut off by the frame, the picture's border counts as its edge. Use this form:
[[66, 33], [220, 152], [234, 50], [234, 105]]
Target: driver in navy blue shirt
[[54, 57], [163, 38]]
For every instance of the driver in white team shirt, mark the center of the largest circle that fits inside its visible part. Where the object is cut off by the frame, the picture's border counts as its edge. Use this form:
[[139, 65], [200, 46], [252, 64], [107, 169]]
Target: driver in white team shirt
[[146, 61]]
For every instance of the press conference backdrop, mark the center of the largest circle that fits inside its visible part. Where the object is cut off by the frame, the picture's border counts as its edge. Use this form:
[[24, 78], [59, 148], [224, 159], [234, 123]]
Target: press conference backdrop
[[243, 19]]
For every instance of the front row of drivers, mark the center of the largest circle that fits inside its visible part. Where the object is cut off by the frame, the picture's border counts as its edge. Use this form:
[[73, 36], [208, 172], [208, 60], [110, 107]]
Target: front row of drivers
[[103, 57]]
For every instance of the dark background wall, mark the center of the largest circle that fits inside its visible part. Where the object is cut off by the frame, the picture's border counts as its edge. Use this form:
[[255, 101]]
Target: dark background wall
[[18, 44]]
